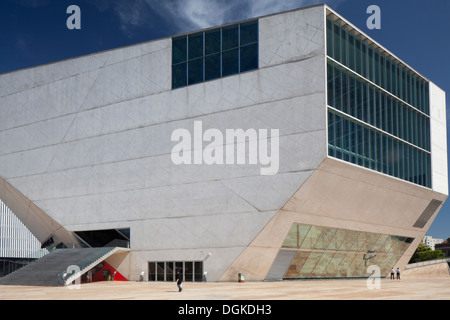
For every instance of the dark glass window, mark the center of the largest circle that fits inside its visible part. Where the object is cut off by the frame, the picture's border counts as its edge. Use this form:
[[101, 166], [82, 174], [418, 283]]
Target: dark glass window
[[195, 69], [166, 271], [195, 45], [230, 37], [214, 53], [212, 41], [355, 51], [375, 129], [230, 62], [179, 75], [249, 57], [179, 50], [249, 33], [212, 67]]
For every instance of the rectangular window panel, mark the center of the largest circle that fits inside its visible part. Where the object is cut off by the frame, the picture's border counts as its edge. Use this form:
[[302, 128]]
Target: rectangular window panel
[[195, 69], [179, 75], [358, 54], [188, 271], [230, 62], [376, 67], [330, 38], [353, 143], [249, 57], [198, 269], [169, 271], [394, 78], [344, 91], [338, 89], [230, 37], [212, 41], [419, 94], [337, 42], [351, 95], [151, 271], [179, 50], [370, 61], [248, 33], [330, 89], [331, 134], [195, 45], [388, 69], [212, 67], [160, 271], [351, 51], [344, 44]]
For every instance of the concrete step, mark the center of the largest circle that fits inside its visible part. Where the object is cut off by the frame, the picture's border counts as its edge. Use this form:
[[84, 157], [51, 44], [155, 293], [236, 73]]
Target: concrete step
[[46, 270]]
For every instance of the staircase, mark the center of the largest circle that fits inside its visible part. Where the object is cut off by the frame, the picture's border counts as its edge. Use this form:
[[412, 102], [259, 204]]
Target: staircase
[[48, 270]]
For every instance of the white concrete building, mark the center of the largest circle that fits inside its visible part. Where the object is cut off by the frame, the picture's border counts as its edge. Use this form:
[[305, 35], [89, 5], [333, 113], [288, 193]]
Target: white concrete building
[[131, 144], [431, 242]]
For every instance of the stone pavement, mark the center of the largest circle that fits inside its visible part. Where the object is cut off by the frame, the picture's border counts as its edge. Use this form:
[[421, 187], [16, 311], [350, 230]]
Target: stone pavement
[[405, 289]]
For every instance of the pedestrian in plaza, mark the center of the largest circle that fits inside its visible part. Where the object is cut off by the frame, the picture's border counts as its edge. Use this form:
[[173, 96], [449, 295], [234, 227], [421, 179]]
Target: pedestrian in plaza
[[179, 279], [398, 274], [392, 273]]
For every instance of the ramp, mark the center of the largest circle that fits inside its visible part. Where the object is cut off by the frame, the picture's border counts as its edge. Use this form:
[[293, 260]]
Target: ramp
[[280, 265], [49, 270], [428, 270]]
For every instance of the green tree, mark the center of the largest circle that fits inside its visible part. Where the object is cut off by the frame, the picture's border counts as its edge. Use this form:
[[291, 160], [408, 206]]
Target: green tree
[[424, 253]]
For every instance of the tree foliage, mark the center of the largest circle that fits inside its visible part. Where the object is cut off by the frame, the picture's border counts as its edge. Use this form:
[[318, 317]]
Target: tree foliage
[[424, 253]]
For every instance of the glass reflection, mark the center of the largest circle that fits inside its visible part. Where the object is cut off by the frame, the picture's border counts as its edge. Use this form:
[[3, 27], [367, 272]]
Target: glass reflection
[[340, 253]]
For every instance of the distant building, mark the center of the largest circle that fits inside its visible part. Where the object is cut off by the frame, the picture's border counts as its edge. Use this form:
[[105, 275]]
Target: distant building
[[431, 242], [444, 247], [18, 245]]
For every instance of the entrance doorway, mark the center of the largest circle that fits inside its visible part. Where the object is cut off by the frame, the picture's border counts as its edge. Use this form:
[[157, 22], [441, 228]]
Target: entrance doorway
[[166, 270]]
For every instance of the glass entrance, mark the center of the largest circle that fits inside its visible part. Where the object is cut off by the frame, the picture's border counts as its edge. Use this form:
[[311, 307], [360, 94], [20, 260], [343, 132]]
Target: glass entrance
[[166, 270]]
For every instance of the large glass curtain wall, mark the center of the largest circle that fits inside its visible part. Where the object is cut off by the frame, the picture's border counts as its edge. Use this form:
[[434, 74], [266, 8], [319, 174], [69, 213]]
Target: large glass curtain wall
[[347, 46], [323, 252], [214, 53], [378, 117]]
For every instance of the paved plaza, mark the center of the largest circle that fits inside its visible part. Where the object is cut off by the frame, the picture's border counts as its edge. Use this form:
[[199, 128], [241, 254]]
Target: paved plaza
[[425, 283], [408, 289]]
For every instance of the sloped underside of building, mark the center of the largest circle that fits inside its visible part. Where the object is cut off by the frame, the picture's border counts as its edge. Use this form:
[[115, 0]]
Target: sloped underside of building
[[342, 220]]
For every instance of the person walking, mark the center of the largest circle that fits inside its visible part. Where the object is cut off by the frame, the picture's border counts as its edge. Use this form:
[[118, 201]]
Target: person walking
[[398, 274], [392, 273], [179, 278]]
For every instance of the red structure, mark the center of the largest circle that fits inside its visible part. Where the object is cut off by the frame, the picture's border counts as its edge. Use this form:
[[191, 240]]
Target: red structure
[[104, 272]]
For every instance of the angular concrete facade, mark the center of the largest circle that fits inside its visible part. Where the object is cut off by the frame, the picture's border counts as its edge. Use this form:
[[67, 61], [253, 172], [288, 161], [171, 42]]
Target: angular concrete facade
[[86, 145]]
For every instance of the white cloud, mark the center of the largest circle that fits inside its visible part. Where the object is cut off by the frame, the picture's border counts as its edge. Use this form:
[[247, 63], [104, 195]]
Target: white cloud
[[188, 15], [207, 13]]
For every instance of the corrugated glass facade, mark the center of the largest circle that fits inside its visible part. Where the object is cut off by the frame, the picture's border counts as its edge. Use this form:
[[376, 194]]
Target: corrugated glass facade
[[378, 108], [16, 241], [323, 252]]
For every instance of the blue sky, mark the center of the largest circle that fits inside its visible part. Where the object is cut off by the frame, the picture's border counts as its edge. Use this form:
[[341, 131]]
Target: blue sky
[[34, 32]]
